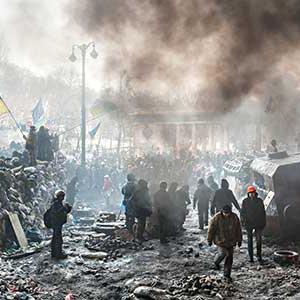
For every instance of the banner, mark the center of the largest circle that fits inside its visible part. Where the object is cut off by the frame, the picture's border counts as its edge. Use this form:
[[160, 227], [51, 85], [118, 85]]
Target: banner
[[38, 114]]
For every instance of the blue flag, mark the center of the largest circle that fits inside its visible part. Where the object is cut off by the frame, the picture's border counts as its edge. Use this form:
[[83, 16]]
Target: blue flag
[[94, 130], [38, 113]]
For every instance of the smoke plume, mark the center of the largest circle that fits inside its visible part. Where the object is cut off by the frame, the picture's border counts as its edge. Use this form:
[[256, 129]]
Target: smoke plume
[[224, 48]]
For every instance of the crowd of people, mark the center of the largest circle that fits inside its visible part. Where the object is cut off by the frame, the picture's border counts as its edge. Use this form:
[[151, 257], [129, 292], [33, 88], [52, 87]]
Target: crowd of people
[[168, 206], [156, 195], [40, 145]]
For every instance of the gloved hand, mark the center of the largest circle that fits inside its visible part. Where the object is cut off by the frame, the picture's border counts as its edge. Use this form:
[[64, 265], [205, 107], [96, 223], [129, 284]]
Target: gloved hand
[[209, 243]]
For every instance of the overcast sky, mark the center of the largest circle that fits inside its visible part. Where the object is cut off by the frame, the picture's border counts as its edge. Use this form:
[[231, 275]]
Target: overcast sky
[[39, 34]]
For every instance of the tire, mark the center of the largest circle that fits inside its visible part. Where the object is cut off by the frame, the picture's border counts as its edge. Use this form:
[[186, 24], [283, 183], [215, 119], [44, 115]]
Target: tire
[[286, 257]]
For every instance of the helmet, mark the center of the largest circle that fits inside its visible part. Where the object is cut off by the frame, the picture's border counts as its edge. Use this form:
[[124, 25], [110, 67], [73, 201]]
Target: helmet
[[59, 193], [251, 189]]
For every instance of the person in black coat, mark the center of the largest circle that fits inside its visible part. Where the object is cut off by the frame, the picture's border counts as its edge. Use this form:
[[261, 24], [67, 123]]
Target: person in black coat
[[202, 197], [128, 190], [182, 201], [142, 207], [223, 196], [162, 205], [253, 216], [59, 213]]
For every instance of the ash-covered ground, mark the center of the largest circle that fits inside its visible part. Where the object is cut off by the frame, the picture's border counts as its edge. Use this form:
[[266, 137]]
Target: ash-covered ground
[[180, 270]]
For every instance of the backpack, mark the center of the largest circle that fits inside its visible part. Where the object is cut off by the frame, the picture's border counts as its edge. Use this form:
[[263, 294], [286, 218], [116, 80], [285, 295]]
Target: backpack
[[47, 218]]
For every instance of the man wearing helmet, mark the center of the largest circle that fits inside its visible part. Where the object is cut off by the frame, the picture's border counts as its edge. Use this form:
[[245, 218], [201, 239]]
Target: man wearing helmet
[[253, 216], [59, 212]]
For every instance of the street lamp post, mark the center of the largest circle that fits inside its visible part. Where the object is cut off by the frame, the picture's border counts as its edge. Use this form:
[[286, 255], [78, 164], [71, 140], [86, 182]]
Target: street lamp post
[[83, 48]]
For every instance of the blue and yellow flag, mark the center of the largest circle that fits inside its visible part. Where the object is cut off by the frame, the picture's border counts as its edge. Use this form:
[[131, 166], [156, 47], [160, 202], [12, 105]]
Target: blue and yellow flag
[[3, 107], [94, 131]]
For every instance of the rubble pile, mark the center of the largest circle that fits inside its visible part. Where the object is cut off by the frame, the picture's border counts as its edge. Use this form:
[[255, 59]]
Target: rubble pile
[[27, 191], [106, 217], [114, 247], [209, 286], [17, 285], [83, 215]]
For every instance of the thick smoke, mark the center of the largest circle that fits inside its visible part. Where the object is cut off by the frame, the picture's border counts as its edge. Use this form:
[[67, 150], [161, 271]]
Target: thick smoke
[[225, 48]]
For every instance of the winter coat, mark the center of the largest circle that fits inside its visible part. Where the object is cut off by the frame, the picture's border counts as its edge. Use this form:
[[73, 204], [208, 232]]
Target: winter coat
[[253, 213], [202, 196], [213, 186], [59, 213], [31, 142], [128, 190], [141, 203], [162, 204], [225, 231], [182, 199], [223, 197]]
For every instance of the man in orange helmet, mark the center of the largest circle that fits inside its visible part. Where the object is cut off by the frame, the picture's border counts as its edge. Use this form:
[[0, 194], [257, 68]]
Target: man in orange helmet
[[253, 216]]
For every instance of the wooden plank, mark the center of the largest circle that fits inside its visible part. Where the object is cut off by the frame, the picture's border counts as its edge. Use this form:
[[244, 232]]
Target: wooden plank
[[18, 229]]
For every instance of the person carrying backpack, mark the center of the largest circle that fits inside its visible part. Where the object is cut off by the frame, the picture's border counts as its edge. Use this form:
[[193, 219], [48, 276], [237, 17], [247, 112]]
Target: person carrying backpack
[[55, 218]]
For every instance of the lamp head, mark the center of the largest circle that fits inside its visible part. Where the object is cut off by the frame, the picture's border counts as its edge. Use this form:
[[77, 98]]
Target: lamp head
[[94, 53], [72, 57]]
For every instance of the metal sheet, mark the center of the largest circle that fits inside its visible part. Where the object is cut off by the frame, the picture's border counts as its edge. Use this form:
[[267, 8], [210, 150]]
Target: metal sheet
[[266, 166]]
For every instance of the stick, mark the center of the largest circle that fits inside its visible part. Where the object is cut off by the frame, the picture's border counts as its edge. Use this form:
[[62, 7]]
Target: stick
[[74, 127], [9, 111]]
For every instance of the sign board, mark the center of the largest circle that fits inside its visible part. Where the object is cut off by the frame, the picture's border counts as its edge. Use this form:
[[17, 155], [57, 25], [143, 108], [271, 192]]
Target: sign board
[[18, 229]]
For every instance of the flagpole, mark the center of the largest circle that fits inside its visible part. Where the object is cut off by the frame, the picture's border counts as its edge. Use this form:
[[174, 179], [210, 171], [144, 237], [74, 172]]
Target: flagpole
[[13, 117], [99, 141], [74, 127]]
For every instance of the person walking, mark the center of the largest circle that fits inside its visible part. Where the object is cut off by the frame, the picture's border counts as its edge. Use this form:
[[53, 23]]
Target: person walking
[[202, 197], [127, 191], [162, 205], [223, 196], [142, 207], [225, 232], [182, 201], [253, 217]]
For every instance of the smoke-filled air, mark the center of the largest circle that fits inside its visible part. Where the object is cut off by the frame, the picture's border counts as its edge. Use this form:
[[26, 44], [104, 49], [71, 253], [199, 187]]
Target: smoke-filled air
[[149, 149]]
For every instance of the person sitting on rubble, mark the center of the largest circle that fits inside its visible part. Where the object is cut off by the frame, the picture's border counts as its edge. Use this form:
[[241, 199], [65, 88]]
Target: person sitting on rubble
[[128, 190], [272, 148], [202, 197], [58, 215], [142, 207], [162, 205], [253, 217], [225, 231], [223, 196]]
